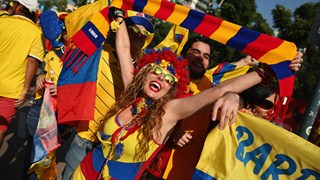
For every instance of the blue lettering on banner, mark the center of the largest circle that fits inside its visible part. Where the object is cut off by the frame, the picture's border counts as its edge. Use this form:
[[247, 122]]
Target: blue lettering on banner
[[260, 154], [307, 173], [274, 171]]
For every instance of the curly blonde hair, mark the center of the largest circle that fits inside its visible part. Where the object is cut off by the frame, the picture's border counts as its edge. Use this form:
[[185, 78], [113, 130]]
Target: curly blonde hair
[[152, 121]]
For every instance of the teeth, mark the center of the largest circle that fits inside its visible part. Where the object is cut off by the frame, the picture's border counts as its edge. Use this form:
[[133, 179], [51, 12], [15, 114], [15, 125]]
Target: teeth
[[155, 85]]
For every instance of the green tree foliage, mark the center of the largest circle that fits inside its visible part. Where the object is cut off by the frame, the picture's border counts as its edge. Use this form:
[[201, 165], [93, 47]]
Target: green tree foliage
[[61, 5], [79, 3], [241, 12], [296, 27]]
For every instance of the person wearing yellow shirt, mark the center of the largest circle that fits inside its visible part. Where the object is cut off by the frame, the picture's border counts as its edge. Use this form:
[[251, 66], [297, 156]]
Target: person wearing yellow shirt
[[50, 73], [21, 50], [109, 82]]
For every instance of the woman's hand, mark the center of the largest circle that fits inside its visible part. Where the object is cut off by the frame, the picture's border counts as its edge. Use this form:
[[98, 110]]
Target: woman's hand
[[227, 106], [296, 62]]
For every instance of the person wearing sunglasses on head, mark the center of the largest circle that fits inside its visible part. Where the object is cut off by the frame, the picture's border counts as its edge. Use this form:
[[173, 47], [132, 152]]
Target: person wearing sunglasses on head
[[142, 119], [109, 83], [260, 100]]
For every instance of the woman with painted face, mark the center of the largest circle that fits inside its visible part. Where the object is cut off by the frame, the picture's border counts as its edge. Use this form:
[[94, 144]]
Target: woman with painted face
[[140, 122]]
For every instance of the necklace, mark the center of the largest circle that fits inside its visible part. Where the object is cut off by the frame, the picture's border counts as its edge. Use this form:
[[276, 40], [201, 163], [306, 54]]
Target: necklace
[[139, 109]]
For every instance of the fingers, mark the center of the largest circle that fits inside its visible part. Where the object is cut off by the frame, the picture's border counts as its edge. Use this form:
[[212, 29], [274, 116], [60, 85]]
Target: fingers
[[184, 139], [53, 90], [40, 80], [299, 54], [19, 102], [215, 109], [295, 64], [234, 117]]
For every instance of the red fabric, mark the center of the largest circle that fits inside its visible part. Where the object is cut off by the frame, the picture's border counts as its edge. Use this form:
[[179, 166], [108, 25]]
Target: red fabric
[[86, 167], [286, 86], [147, 164], [207, 28], [262, 45], [83, 42], [7, 111], [164, 12], [76, 102], [220, 66]]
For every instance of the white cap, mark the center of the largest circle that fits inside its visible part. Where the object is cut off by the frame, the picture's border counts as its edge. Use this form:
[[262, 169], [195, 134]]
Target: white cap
[[32, 5]]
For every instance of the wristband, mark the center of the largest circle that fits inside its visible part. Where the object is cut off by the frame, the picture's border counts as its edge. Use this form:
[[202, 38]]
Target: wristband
[[115, 25], [117, 12]]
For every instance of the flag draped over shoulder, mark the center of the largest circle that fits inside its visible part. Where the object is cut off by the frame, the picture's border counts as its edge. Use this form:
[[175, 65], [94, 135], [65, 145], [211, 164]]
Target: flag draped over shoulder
[[276, 52], [77, 81], [254, 148]]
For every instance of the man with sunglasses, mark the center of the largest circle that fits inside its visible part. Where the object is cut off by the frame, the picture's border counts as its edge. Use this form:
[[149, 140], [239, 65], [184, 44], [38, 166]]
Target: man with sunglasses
[[109, 82]]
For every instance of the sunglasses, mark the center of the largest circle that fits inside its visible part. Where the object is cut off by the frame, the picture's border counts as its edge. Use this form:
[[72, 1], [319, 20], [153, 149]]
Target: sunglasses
[[138, 30], [265, 104], [169, 78]]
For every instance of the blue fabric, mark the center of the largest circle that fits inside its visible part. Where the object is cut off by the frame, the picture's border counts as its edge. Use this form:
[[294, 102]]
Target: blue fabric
[[32, 123], [243, 37], [33, 117], [193, 20], [116, 169], [79, 148], [93, 34], [199, 175], [87, 73]]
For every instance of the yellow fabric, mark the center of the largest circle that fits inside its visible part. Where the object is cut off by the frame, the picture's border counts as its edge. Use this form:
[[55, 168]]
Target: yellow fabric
[[225, 31], [78, 18], [19, 38], [172, 42], [225, 152], [181, 167], [77, 174], [109, 86], [177, 17], [278, 54], [129, 144], [46, 168], [52, 63]]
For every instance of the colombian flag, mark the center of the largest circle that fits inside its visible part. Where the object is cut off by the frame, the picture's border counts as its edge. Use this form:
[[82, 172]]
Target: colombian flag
[[77, 81], [77, 92]]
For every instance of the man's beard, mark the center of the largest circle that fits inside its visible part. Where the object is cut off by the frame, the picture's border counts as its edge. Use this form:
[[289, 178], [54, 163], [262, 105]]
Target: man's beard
[[197, 75]]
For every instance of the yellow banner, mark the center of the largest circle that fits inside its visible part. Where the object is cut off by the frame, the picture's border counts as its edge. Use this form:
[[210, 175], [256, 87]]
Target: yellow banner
[[254, 148]]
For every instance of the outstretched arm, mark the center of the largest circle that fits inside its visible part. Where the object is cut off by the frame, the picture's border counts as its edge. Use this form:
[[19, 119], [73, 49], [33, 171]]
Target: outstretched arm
[[123, 52], [294, 65], [181, 108]]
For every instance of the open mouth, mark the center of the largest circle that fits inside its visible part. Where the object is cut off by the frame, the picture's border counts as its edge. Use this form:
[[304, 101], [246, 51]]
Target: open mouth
[[155, 86]]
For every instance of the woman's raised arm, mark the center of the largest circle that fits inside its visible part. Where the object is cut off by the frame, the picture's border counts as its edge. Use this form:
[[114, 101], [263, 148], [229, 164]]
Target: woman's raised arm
[[123, 52]]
